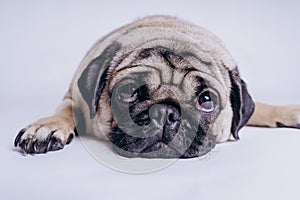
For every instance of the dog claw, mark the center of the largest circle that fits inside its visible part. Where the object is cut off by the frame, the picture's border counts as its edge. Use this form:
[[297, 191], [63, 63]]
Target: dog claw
[[55, 144], [20, 134]]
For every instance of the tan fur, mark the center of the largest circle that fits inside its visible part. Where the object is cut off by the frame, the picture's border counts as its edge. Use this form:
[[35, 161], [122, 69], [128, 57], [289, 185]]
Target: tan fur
[[268, 115]]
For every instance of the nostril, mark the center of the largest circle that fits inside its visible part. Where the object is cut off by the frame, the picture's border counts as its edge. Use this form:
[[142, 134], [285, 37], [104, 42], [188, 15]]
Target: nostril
[[164, 114], [172, 118]]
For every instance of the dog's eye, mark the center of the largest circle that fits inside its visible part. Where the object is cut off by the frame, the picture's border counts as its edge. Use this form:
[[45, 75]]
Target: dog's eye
[[205, 102], [127, 93]]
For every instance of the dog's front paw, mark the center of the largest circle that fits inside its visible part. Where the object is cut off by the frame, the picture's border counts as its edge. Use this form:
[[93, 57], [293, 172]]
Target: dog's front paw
[[47, 134]]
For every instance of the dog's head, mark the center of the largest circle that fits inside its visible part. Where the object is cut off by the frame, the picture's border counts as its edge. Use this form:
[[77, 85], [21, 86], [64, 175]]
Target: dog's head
[[159, 93]]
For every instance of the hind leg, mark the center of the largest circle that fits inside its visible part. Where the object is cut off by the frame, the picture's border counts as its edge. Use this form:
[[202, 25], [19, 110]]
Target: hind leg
[[275, 116]]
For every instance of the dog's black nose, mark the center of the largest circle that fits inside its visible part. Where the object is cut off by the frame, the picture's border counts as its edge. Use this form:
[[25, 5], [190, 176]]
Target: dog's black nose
[[165, 115], [168, 117]]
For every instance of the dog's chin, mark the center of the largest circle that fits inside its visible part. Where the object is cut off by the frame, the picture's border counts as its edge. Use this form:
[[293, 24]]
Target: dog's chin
[[180, 146]]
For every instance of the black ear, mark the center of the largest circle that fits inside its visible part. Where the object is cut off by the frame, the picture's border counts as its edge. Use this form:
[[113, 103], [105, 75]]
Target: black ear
[[241, 103], [92, 80]]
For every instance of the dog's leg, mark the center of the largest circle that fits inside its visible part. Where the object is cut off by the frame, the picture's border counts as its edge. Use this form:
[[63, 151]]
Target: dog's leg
[[50, 133], [275, 116]]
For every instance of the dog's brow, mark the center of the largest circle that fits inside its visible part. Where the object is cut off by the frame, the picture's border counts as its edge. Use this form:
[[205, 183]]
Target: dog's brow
[[188, 70], [128, 67]]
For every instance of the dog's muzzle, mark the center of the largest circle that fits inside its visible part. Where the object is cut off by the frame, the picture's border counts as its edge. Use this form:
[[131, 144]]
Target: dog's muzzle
[[162, 131]]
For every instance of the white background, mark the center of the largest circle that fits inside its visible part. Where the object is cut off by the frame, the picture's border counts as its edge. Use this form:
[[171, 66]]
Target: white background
[[42, 44]]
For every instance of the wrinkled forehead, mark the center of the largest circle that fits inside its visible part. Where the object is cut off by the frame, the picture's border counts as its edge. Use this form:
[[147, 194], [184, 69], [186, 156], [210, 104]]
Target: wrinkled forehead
[[161, 66]]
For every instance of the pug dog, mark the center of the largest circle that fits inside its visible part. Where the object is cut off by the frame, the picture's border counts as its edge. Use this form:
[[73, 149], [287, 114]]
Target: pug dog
[[159, 87]]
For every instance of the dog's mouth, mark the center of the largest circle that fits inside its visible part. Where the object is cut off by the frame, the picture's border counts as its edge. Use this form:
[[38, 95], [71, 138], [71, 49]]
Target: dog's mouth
[[159, 149], [181, 143]]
